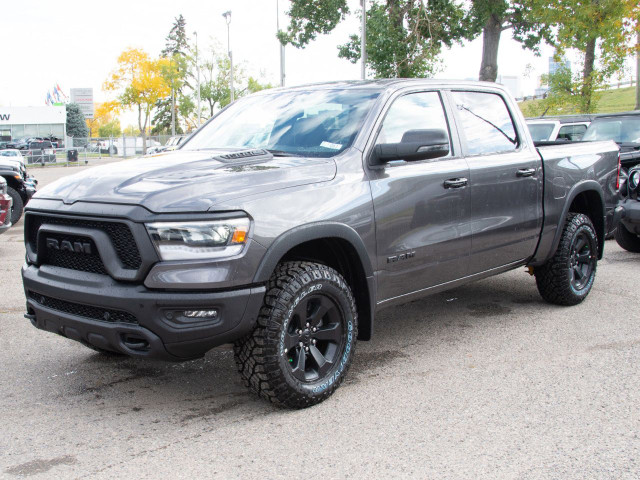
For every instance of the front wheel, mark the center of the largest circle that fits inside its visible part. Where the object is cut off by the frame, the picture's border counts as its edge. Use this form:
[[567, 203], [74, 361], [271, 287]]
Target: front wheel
[[304, 339], [18, 205], [567, 278]]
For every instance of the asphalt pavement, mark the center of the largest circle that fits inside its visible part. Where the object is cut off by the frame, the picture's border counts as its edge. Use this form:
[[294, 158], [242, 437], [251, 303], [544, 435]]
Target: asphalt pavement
[[482, 382]]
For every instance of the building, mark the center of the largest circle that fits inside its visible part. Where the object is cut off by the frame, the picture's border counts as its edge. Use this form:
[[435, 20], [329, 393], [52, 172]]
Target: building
[[21, 122], [555, 66], [511, 83]]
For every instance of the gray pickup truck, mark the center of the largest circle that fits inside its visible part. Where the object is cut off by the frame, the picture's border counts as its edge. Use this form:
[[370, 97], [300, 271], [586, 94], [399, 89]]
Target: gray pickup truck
[[294, 215]]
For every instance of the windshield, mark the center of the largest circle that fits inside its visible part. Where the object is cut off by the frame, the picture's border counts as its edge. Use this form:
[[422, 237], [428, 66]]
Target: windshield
[[540, 132], [620, 130], [8, 153], [320, 123]]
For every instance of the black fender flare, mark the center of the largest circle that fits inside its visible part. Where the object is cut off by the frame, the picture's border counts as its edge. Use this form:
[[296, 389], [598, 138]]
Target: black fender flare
[[305, 233], [581, 187], [317, 231]]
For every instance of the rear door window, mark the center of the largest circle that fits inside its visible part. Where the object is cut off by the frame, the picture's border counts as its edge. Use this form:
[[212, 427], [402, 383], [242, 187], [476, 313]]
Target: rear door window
[[486, 123]]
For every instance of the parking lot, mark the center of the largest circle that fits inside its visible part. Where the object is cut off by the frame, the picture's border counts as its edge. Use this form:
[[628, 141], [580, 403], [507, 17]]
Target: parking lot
[[485, 381]]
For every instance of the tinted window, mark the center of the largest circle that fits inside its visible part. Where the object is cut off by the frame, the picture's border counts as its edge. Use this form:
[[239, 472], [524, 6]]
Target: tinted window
[[486, 123], [416, 111], [540, 132], [572, 133]]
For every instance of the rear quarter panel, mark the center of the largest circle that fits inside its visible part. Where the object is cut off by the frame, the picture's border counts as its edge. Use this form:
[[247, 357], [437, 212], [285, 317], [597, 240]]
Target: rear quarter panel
[[568, 170]]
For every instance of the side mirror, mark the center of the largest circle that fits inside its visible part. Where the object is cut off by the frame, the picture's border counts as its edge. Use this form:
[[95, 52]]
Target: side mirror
[[415, 145]]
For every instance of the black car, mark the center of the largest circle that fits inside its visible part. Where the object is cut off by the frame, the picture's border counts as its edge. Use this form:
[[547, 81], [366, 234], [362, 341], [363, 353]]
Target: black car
[[622, 128], [19, 186], [41, 151]]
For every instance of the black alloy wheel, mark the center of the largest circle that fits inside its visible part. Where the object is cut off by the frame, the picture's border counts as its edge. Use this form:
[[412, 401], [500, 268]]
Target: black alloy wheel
[[314, 338], [582, 261]]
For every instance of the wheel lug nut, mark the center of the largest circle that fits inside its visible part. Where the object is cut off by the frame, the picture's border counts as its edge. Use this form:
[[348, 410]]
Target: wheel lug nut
[[286, 350], [314, 329], [301, 344], [313, 341], [299, 332], [306, 349], [308, 324]]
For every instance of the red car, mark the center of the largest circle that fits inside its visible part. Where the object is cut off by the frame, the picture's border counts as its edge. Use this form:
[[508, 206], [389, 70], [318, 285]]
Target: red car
[[5, 207]]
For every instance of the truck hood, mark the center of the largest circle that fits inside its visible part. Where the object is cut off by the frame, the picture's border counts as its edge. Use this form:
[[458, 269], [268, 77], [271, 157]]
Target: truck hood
[[187, 181]]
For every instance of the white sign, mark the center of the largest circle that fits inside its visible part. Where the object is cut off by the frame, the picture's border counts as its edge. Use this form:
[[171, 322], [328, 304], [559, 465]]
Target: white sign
[[32, 115], [84, 98]]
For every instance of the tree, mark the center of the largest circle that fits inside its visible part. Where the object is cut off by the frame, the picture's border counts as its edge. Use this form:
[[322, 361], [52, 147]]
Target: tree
[[601, 31], [103, 115], [404, 37], [140, 83], [76, 125], [110, 129]]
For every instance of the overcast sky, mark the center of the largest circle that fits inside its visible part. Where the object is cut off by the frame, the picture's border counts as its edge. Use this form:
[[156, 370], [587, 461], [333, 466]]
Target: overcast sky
[[75, 43]]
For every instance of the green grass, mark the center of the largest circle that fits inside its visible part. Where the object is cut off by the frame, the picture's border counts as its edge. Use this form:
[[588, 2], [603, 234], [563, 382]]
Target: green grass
[[615, 100]]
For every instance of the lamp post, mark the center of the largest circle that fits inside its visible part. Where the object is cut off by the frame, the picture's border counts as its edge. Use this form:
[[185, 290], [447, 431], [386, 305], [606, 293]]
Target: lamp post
[[198, 82], [282, 71], [227, 17], [363, 41]]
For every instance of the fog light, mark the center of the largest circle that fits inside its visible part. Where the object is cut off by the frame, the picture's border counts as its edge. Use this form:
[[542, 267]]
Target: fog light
[[201, 313]]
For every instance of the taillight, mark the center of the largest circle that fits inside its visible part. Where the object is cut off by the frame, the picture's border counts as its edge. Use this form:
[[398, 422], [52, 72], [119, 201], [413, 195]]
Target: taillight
[[618, 175]]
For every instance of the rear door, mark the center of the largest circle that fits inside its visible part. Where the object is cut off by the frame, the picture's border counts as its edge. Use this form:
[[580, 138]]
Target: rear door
[[422, 226], [505, 182]]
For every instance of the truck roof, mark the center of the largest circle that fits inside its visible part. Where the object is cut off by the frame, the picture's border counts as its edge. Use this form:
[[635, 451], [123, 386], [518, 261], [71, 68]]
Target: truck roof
[[385, 84]]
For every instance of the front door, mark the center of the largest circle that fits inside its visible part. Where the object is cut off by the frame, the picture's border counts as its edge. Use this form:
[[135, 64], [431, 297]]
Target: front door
[[422, 222]]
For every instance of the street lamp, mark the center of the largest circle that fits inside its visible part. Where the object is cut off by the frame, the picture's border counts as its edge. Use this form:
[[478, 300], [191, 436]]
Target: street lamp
[[363, 41], [198, 70], [282, 71], [227, 17]]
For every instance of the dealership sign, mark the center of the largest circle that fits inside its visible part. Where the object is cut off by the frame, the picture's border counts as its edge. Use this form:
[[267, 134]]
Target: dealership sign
[[84, 98], [32, 115]]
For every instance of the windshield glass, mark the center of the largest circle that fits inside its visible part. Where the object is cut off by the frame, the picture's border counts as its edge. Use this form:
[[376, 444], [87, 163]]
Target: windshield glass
[[320, 123], [8, 153], [621, 130], [540, 132]]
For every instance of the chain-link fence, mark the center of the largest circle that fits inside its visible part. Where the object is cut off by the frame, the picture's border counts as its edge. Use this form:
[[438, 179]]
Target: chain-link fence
[[79, 151]]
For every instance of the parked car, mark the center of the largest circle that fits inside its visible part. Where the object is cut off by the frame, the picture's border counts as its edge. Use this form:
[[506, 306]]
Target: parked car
[[622, 128], [19, 187], [293, 216], [3, 144], [41, 152], [567, 128], [6, 203]]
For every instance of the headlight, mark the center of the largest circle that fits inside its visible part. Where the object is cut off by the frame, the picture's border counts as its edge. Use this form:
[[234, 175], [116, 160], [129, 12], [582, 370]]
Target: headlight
[[634, 179], [199, 240]]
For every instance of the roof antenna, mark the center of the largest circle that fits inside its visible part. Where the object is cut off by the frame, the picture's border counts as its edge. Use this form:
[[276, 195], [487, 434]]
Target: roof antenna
[[545, 112]]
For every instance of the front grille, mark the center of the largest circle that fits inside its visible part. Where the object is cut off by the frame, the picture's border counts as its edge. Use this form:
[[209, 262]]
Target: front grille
[[119, 234], [86, 311], [85, 262]]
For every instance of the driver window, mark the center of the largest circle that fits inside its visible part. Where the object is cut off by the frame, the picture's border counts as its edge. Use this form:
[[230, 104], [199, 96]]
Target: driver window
[[415, 111]]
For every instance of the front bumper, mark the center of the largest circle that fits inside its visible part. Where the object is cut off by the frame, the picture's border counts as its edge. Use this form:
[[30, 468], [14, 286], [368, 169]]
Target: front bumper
[[132, 319], [630, 215]]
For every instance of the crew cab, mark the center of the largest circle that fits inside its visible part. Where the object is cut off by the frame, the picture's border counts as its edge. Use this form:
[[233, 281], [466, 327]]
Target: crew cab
[[294, 215]]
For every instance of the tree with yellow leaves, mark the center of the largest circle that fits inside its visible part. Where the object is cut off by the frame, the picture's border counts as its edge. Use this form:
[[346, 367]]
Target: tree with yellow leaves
[[104, 114], [140, 82]]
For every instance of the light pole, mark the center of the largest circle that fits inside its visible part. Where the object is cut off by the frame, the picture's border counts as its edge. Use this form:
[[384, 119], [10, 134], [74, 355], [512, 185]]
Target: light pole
[[198, 70], [363, 41], [227, 17], [282, 71]]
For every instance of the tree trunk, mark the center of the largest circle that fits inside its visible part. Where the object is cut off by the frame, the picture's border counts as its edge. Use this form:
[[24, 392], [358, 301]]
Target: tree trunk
[[587, 75], [490, 44]]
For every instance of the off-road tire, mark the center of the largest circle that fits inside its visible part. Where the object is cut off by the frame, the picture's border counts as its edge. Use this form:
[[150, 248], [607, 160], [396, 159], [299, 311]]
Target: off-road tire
[[554, 278], [626, 239], [18, 205], [263, 361]]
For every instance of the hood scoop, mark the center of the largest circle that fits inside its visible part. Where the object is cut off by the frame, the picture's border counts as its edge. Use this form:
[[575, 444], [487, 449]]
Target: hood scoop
[[257, 155]]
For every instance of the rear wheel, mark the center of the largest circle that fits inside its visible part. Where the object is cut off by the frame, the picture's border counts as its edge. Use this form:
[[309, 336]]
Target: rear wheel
[[567, 278], [18, 205], [304, 339], [626, 239]]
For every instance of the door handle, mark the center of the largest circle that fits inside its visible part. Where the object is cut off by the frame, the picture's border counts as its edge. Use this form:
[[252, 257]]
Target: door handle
[[526, 172], [455, 183]]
